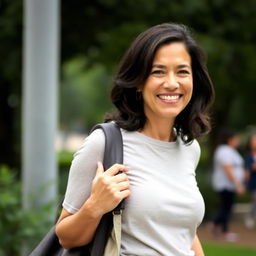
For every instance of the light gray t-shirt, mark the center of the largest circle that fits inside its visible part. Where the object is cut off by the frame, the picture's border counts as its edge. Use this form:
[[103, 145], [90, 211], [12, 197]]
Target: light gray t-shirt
[[165, 207], [226, 155]]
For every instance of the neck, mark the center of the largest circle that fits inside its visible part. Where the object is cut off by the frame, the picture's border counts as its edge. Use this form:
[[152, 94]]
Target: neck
[[161, 130]]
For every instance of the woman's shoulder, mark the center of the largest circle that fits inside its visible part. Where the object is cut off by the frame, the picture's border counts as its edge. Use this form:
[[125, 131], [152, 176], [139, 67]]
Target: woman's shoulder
[[193, 147], [94, 142], [195, 144]]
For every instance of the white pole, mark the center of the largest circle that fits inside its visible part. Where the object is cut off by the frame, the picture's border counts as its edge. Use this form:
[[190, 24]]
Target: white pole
[[40, 90]]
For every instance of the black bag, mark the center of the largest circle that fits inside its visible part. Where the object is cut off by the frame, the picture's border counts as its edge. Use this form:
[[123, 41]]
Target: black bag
[[50, 245]]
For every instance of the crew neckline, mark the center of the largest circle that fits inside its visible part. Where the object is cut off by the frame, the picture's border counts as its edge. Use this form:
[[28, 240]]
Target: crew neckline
[[146, 139]]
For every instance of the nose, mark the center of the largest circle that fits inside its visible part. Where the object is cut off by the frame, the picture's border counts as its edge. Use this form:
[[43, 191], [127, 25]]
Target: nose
[[171, 82]]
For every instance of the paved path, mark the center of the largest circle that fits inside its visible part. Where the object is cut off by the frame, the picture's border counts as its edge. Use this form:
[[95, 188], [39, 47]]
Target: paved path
[[246, 237]]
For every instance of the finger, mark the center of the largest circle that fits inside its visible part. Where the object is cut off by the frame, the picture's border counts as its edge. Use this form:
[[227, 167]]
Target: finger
[[100, 169], [114, 169], [119, 178], [123, 185], [125, 193]]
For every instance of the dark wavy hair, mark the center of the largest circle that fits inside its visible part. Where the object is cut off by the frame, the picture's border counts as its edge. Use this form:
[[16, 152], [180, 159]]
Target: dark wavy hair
[[135, 68]]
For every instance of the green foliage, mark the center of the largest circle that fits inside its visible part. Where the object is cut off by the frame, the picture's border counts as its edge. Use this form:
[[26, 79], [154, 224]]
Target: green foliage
[[213, 249], [64, 162], [228, 42], [10, 80], [18, 226], [11, 215], [11, 40], [94, 36], [65, 158], [84, 94]]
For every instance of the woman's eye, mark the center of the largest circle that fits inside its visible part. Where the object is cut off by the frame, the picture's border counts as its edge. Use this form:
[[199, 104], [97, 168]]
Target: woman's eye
[[184, 71], [157, 72]]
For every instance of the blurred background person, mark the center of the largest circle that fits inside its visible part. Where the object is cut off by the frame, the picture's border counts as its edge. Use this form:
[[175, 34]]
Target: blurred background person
[[250, 164], [228, 178]]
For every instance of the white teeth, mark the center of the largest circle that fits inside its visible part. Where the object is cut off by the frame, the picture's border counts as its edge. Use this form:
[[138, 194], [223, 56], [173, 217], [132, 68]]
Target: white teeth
[[169, 97]]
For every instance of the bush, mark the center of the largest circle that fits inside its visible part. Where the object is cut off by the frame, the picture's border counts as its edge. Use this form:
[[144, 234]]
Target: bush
[[18, 226]]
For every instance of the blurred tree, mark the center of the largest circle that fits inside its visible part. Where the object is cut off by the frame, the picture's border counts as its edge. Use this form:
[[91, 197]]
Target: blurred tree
[[97, 33], [83, 95], [10, 80], [223, 29]]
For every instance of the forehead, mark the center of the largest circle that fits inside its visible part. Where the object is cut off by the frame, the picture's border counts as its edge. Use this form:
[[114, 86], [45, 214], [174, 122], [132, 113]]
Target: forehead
[[172, 52]]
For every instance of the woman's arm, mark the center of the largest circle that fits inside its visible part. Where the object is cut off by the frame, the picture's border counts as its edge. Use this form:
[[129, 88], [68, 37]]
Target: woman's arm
[[108, 190], [77, 229], [197, 247]]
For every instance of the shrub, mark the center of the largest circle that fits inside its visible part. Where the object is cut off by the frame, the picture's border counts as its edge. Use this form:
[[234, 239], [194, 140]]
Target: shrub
[[18, 226]]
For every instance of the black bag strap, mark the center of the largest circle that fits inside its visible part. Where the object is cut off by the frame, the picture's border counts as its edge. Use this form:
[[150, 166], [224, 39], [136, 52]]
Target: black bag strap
[[113, 154], [113, 144]]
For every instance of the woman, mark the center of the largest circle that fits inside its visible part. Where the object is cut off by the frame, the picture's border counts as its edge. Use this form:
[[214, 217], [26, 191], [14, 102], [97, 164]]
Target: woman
[[228, 178], [250, 163], [162, 93]]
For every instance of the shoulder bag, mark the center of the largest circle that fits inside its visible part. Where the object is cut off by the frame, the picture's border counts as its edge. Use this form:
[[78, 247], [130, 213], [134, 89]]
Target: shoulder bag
[[107, 237]]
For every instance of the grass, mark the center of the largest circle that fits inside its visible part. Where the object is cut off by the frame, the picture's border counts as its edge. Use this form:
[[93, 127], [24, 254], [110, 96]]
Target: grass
[[213, 249]]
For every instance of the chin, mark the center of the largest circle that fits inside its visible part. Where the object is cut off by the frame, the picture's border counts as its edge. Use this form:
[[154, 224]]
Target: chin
[[170, 115]]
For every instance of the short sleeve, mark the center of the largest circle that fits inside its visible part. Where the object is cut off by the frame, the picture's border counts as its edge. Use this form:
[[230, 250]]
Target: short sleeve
[[82, 171]]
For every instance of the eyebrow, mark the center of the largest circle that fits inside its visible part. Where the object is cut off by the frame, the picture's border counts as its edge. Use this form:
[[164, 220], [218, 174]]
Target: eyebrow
[[163, 66], [158, 66]]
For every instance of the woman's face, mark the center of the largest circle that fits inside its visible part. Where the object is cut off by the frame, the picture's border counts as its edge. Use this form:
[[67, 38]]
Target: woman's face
[[168, 88]]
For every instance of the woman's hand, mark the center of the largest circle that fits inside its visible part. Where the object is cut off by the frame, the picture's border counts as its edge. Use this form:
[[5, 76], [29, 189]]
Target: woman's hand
[[109, 188]]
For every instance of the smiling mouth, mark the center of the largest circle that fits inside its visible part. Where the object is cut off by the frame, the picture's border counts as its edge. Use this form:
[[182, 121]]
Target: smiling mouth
[[169, 97]]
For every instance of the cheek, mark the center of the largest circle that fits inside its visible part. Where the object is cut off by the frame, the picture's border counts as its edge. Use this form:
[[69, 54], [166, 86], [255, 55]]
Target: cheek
[[189, 94], [148, 90], [189, 90]]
